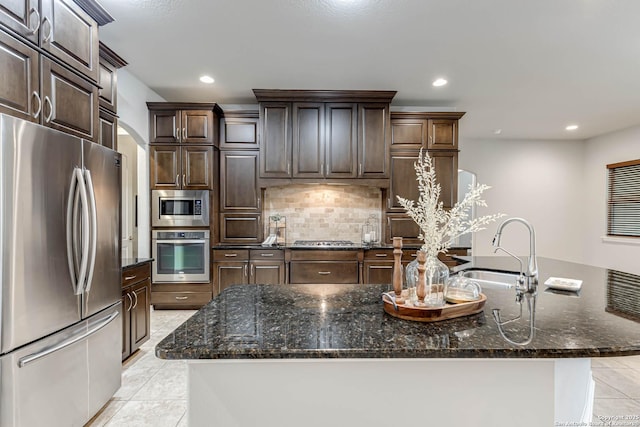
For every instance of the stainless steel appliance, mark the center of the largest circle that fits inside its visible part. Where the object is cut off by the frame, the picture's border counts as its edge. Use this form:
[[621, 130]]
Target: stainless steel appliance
[[324, 244], [61, 328], [180, 208], [180, 256]]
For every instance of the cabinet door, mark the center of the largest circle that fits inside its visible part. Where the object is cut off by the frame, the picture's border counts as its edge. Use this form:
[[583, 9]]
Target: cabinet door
[[446, 166], [197, 126], [70, 34], [403, 179], [341, 150], [164, 167], [238, 132], [244, 228], [197, 168], [400, 225], [127, 303], [19, 85], [378, 272], [409, 133], [140, 314], [275, 143], [266, 273], [239, 181], [374, 138], [22, 17], [69, 102], [164, 126], [443, 134], [108, 135], [308, 139], [229, 273], [107, 80]]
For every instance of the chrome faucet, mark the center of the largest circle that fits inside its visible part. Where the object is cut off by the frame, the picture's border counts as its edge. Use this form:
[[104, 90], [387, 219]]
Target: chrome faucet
[[531, 275], [527, 284]]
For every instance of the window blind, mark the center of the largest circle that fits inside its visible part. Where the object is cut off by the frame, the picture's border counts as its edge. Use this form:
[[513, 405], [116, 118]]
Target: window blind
[[623, 208]]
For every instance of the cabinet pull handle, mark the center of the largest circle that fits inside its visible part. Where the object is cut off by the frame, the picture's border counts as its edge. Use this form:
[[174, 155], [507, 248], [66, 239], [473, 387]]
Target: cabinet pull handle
[[360, 169], [381, 255], [184, 134], [177, 134], [47, 38], [130, 302], [39, 109], [31, 12], [184, 180], [230, 255], [322, 169], [414, 255], [324, 273], [181, 298], [266, 254], [130, 277], [136, 303], [252, 269], [430, 139], [244, 270], [178, 179], [48, 101], [258, 203], [288, 168]]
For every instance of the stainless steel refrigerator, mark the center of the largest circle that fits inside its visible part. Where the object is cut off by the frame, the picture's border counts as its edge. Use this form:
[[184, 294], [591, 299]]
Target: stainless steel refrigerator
[[60, 310]]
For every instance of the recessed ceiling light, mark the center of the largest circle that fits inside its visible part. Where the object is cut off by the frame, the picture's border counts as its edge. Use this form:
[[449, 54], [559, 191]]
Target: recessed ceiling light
[[439, 82], [497, 131], [572, 127], [206, 79]]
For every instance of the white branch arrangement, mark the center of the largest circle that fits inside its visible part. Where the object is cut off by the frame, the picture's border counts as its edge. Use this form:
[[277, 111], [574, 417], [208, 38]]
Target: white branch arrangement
[[439, 228]]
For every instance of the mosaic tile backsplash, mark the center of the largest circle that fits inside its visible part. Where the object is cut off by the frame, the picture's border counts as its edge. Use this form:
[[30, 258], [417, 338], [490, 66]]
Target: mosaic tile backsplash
[[323, 212]]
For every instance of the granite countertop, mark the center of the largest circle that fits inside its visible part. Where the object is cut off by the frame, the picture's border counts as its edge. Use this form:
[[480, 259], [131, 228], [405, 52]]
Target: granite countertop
[[348, 321], [355, 247], [134, 262]]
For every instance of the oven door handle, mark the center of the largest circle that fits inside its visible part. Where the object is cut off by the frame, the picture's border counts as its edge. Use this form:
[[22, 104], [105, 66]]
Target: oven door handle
[[204, 241]]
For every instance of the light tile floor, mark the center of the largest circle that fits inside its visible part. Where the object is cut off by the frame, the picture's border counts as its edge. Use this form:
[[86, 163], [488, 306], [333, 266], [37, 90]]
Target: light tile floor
[[154, 391]]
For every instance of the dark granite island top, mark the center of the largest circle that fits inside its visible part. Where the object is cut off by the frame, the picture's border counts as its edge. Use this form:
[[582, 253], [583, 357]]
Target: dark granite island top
[[348, 321]]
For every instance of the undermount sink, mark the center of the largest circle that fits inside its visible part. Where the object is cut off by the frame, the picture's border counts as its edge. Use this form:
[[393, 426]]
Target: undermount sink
[[492, 279]]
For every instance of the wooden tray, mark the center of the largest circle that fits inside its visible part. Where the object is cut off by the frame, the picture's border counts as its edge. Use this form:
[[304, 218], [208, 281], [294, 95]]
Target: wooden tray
[[430, 314]]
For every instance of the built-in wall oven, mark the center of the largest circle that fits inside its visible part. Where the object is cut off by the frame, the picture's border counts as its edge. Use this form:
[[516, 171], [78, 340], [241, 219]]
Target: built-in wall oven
[[180, 208], [180, 256]]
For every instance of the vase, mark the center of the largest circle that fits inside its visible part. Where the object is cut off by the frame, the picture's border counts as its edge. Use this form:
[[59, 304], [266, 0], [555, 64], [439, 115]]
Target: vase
[[435, 279]]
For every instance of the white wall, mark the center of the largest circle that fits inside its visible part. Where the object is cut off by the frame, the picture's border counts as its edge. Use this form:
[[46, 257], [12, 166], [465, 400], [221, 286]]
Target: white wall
[[134, 117], [611, 148], [536, 180]]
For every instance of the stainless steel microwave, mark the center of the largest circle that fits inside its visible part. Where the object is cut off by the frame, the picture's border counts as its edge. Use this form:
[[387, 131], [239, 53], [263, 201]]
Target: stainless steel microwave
[[180, 208]]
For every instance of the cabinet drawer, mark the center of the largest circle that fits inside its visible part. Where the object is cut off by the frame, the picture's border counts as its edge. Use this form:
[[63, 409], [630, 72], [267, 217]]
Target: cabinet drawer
[[181, 298], [230, 254], [379, 254], [266, 254], [135, 274], [322, 255], [323, 272]]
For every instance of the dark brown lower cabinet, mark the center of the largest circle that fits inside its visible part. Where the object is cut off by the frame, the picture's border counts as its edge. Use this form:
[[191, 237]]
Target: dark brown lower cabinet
[[324, 266], [136, 297], [180, 296], [247, 266]]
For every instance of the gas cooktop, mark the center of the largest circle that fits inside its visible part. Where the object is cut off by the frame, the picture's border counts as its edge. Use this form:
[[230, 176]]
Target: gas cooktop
[[323, 244]]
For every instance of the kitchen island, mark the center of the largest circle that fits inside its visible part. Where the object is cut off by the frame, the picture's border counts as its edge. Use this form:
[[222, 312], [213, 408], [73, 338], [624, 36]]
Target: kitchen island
[[318, 354]]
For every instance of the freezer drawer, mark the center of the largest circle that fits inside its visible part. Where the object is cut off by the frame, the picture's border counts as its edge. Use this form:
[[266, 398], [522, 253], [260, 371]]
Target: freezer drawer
[[64, 379]]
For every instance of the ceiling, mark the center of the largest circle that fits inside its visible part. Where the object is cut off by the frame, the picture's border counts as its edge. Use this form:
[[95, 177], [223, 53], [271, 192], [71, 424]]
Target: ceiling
[[528, 68]]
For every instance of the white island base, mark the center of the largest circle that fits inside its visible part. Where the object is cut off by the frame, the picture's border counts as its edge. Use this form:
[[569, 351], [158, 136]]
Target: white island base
[[390, 392]]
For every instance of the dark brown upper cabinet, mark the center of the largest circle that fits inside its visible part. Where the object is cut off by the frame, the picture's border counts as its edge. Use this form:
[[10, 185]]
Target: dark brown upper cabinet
[[324, 134], [430, 130], [275, 142], [174, 167], [239, 189], [22, 17], [239, 130], [108, 78], [70, 34], [185, 123], [19, 85]]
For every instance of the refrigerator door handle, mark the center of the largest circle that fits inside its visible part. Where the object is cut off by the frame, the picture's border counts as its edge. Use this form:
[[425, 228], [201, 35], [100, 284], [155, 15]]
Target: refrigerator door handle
[[24, 361], [71, 220], [85, 232], [93, 226]]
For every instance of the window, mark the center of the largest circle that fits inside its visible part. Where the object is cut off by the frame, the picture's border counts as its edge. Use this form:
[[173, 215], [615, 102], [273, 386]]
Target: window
[[623, 208]]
